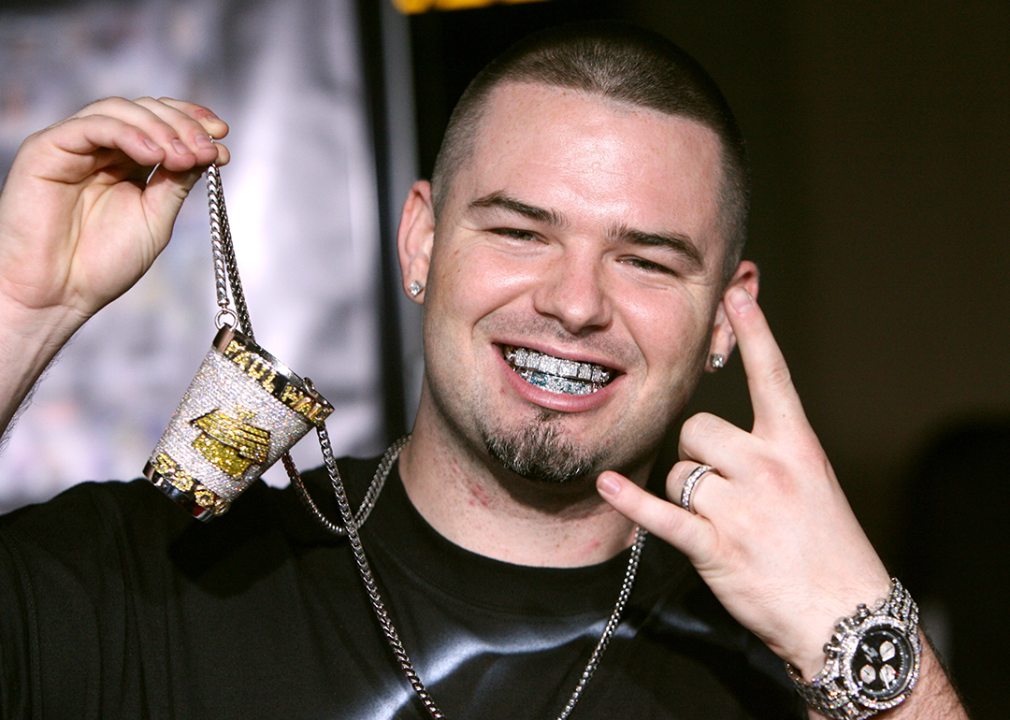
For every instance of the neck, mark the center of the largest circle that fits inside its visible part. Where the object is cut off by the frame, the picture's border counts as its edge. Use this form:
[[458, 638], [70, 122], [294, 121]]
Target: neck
[[483, 508]]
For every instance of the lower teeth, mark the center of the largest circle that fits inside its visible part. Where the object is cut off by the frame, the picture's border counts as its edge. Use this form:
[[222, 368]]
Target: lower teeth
[[557, 384]]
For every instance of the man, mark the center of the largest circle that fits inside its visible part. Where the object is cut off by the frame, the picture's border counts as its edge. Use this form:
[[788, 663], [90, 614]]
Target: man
[[577, 258]]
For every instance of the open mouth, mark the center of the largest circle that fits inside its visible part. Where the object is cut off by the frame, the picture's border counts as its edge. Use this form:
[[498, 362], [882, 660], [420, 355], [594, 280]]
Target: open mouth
[[555, 374]]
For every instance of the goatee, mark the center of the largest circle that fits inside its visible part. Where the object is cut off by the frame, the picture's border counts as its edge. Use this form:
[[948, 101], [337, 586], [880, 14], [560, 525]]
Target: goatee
[[540, 452]]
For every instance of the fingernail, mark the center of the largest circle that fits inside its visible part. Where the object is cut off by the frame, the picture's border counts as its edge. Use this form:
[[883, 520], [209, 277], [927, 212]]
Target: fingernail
[[180, 147], [740, 299], [204, 140], [151, 144], [608, 485]]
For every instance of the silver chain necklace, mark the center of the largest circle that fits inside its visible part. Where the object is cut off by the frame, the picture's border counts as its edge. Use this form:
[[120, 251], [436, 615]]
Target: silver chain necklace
[[226, 273]]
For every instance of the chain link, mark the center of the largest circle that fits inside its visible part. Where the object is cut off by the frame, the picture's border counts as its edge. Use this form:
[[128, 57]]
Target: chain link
[[225, 267]]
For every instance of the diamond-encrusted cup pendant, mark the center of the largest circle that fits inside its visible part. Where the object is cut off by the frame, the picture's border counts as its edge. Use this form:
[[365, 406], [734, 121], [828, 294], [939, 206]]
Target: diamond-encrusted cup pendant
[[243, 411]]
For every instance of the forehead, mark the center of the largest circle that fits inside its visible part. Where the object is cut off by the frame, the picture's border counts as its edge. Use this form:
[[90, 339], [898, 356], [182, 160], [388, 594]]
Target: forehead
[[561, 148]]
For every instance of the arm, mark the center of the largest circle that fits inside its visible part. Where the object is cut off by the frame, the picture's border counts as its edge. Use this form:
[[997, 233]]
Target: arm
[[89, 203], [774, 536]]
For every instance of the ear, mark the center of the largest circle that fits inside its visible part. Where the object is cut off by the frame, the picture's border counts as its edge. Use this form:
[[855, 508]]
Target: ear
[[415, 237], [723, 338]]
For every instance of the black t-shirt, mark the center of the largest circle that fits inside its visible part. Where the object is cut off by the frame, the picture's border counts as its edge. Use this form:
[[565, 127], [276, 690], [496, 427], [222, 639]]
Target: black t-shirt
[[114, 603]]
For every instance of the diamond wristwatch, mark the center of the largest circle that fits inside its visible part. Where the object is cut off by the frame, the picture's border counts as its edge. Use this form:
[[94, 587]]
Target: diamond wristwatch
[[873, 660]]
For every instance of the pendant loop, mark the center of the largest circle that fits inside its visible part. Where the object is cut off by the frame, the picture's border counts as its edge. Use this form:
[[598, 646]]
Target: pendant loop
[[226, 314]]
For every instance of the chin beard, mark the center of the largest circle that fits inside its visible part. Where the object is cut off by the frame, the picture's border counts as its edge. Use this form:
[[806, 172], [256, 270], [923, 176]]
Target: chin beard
[[540, 452]]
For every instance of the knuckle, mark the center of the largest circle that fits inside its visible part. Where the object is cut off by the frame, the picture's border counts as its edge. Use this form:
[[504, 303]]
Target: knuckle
[[775, 477], [766, 469], [100, 106], [697, 426], [778, 377]]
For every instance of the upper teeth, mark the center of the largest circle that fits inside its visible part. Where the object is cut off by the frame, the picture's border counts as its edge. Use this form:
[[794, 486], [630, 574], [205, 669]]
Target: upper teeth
[[550, 365]]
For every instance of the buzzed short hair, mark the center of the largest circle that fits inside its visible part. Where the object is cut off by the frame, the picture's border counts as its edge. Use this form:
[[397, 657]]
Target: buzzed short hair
[[617, 62]]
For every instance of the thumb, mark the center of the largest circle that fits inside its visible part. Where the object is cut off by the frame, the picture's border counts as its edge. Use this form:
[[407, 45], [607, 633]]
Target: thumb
[[163, 197], [688, 533]]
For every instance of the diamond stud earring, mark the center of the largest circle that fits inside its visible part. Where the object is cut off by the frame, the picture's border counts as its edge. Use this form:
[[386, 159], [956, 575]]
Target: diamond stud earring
[[415, 288]]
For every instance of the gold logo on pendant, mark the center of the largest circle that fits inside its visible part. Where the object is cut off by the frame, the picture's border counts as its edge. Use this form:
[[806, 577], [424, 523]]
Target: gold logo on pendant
[[231, 443]]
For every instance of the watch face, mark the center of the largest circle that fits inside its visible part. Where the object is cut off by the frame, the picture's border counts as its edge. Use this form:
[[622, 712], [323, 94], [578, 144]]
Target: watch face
[[881, 663]]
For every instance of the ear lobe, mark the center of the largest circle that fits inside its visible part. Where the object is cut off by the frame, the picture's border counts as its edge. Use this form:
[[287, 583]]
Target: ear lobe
[[415, 237], [723, 338]]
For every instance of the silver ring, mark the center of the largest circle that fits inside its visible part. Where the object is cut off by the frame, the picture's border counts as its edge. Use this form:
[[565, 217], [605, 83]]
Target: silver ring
[[690, 484]]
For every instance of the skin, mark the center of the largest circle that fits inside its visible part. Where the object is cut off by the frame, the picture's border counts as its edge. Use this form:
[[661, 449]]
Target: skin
[[82, 217]]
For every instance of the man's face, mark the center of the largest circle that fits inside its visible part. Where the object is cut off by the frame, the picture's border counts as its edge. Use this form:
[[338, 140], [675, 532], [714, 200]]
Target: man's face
[[573, 282]]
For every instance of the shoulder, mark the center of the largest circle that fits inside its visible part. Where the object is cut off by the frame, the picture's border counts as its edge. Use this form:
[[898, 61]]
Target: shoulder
[[85, 515], [95, 532], [135, 518]]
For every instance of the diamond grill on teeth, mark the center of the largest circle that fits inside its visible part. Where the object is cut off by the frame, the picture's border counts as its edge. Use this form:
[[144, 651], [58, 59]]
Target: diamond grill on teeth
[[557, 374]]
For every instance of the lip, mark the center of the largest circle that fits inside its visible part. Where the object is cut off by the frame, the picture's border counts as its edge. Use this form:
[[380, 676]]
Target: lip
[[555, 401]]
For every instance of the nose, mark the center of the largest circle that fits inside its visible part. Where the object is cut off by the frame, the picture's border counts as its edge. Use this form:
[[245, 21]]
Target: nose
[[572, 291]]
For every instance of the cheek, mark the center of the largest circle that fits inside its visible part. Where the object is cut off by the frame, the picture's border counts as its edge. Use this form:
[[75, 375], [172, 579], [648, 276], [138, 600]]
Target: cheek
[[672, 330], [477, 281]]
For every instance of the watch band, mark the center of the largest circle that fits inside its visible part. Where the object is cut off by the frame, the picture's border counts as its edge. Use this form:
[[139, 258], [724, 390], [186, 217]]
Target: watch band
[[873, 660]]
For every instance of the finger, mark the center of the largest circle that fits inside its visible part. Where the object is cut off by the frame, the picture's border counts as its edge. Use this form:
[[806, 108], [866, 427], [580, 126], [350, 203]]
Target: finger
[[182, 139], [215, 126], [692, 535], [223, 154], [773, 395], [79, 140], [708, 439], [191, 137], [164, 194]]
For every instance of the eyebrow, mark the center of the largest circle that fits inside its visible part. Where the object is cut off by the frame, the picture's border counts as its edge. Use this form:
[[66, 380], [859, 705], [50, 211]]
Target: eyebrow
[[501, 201]]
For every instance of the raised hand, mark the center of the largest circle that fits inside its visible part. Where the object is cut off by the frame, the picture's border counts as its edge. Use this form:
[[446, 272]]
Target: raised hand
[[82, 216], [88, 204], [774, 536]]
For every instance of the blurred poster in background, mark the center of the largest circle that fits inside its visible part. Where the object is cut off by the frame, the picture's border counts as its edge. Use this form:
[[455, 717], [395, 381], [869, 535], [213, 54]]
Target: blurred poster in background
[[301, 191]]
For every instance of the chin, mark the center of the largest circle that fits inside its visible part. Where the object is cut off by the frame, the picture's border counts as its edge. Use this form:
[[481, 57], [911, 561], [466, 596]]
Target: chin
[[541, 453]]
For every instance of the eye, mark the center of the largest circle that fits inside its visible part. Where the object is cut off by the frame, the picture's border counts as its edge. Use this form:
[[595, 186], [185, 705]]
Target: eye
[[515, 234], [649, 266]]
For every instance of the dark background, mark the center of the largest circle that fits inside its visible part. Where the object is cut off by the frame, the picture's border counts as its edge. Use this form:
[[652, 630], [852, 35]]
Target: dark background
[[880, 222]]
